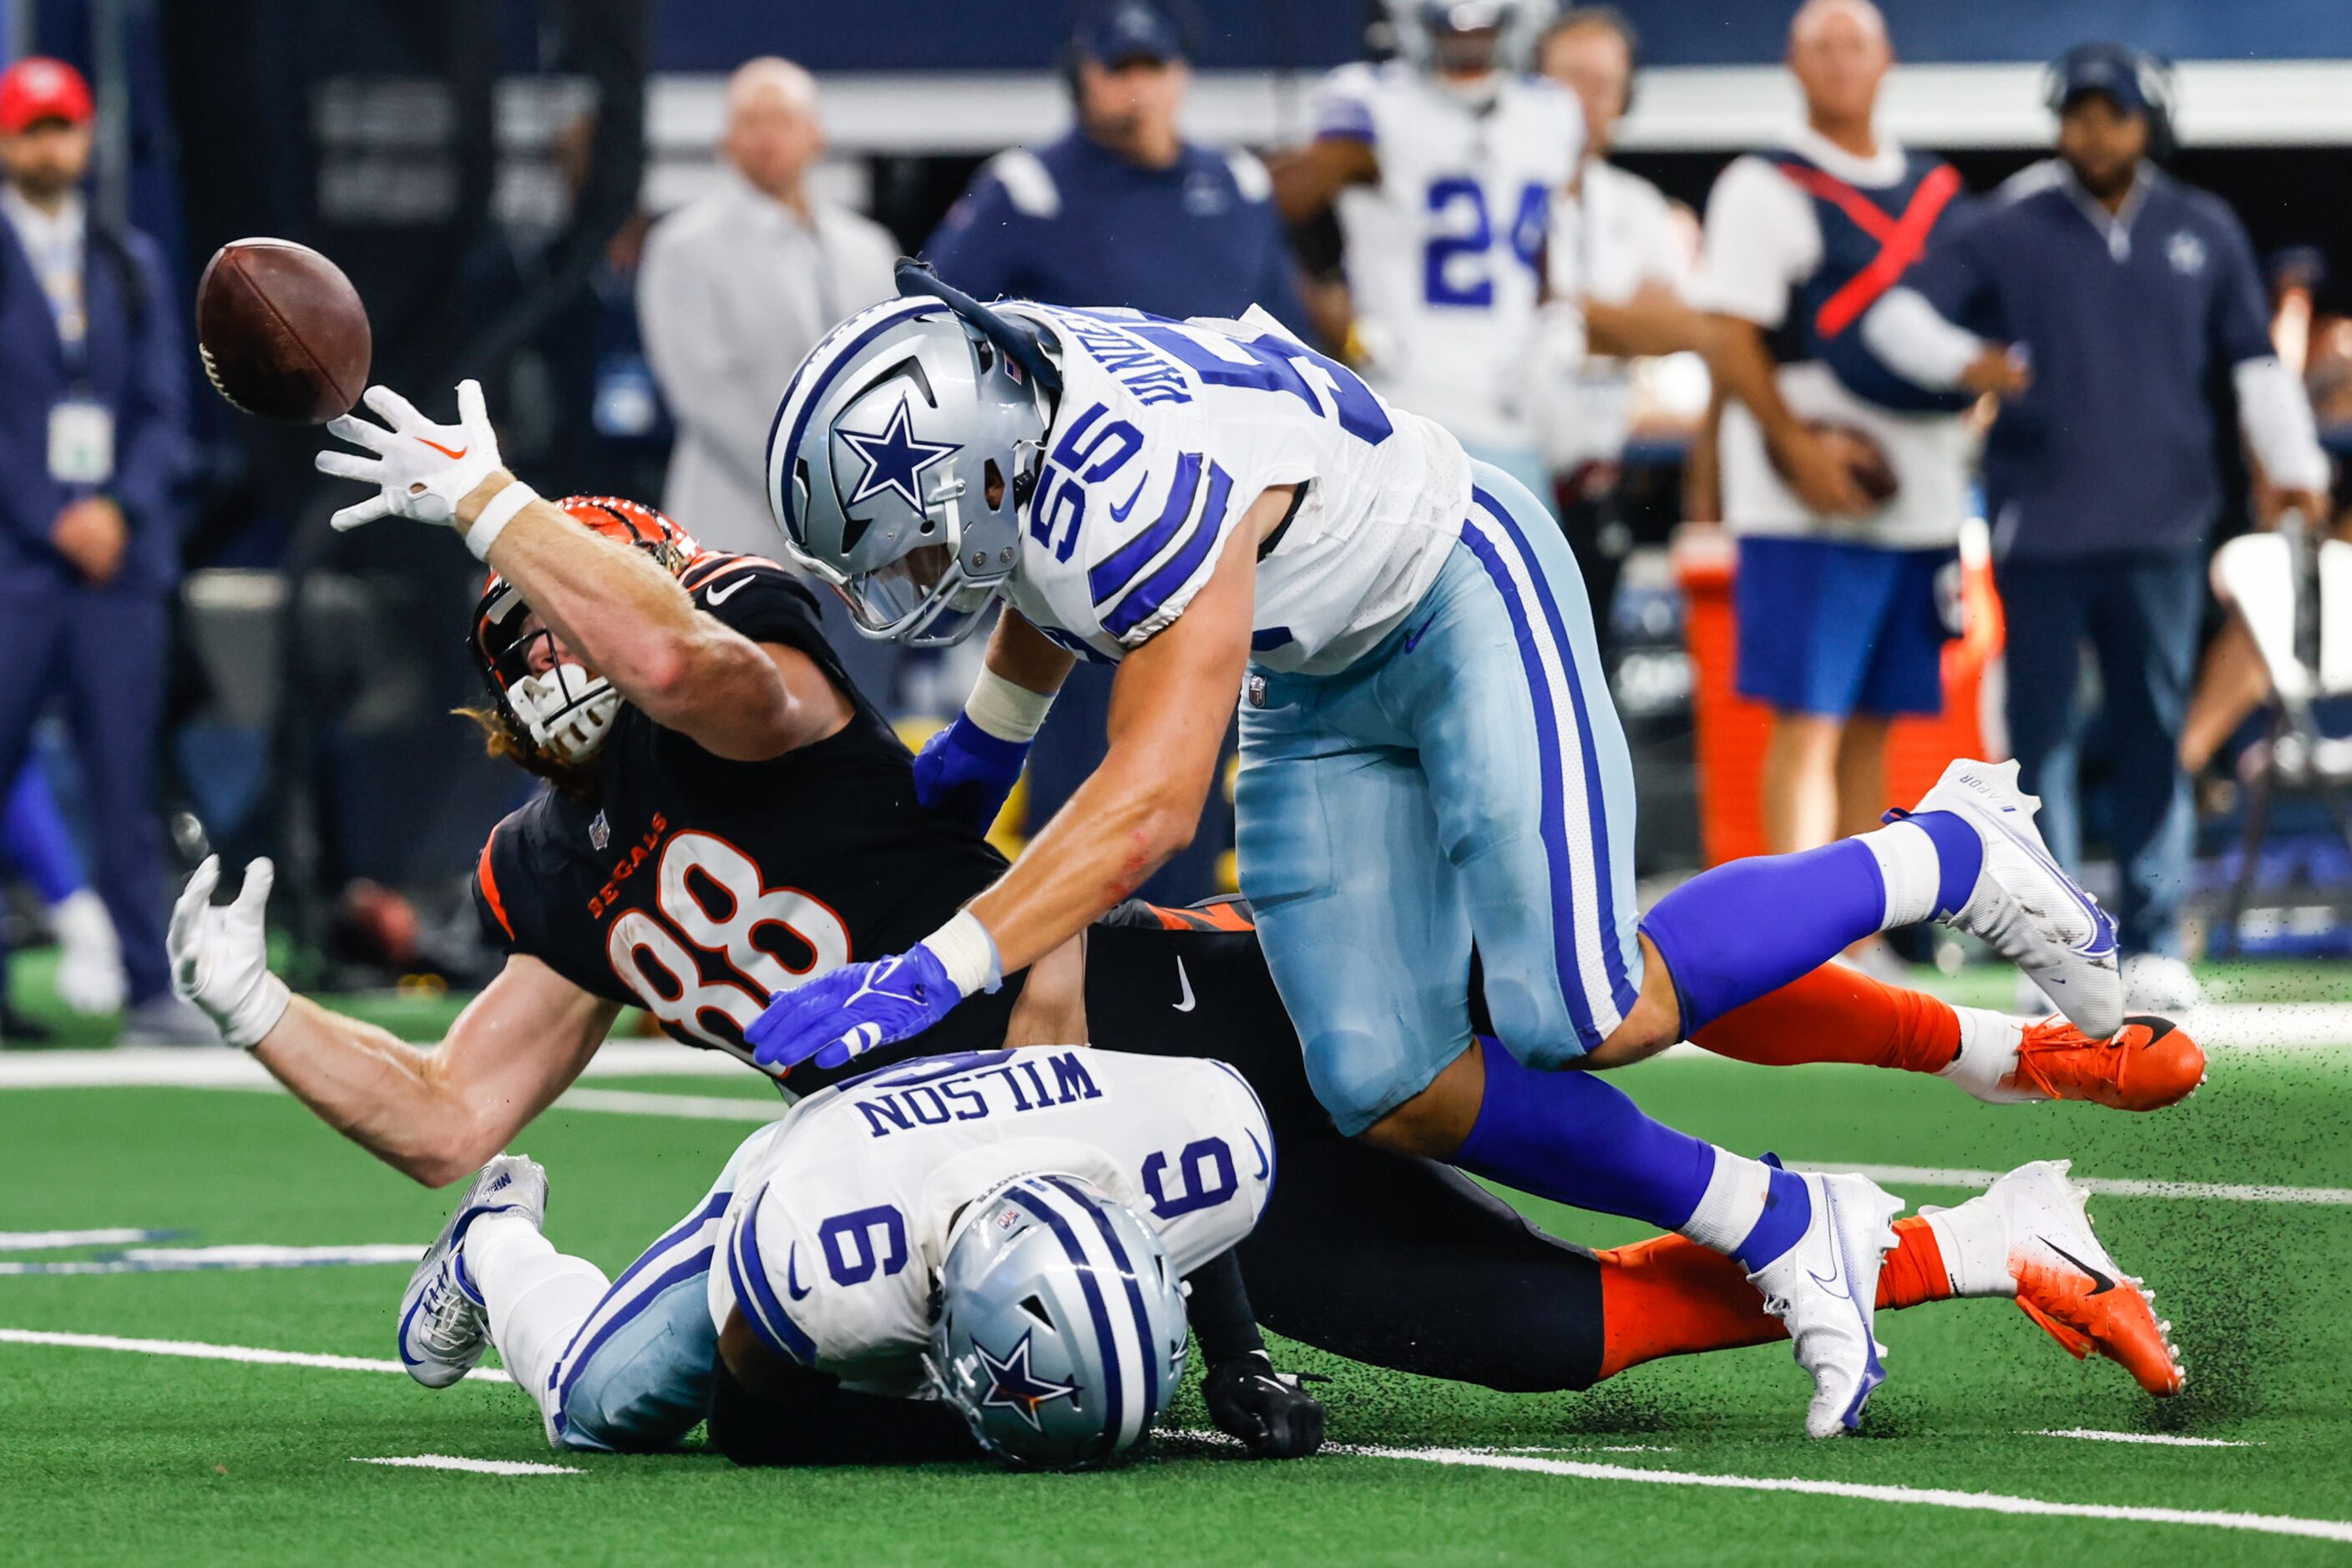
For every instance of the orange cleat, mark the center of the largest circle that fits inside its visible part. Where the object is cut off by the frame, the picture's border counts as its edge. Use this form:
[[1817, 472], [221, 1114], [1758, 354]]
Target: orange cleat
[[2151, 1063], [2068, 1284]]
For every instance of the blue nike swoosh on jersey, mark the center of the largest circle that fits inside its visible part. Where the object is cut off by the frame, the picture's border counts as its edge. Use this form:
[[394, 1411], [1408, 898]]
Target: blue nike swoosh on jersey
[[1119, 514], [1413, 638], [792, 1286]]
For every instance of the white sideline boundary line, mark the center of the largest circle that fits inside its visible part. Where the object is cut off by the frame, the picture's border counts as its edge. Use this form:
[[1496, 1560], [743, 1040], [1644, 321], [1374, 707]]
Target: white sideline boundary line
[[168, 1067], [2161, 1439], [479, 1466], [241, 1256], [2111, 1186], [694, 1107], [1930, 1497], [193, 1350], [51, 1240], [1981, 1503]]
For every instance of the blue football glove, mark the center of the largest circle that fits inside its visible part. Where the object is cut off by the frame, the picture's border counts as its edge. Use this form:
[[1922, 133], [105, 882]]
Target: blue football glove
[[851, 1010], [965, 772]]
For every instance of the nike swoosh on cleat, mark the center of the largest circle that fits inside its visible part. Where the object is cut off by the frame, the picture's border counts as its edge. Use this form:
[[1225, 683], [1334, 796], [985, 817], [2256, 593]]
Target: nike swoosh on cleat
[[2102, 929], [1119, 514], [2101, 1280], [444, 451], [1184, 984], [792, 1286]]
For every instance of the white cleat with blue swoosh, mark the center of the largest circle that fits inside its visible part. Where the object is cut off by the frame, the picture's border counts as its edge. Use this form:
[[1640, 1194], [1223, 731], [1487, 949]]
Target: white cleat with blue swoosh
[[444, 1327], [2023, 907], [1826, 1288]]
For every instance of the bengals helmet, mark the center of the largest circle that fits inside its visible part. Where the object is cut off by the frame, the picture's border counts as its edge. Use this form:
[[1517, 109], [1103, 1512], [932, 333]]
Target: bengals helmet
[[554, 718]]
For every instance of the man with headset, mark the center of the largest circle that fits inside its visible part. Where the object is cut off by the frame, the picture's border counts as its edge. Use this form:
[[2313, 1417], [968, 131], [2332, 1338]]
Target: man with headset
[[2114, 296]]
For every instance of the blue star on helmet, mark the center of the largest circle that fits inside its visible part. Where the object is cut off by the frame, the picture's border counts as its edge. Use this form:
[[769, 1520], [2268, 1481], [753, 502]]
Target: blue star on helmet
[[1016, 1388], [896, 458]]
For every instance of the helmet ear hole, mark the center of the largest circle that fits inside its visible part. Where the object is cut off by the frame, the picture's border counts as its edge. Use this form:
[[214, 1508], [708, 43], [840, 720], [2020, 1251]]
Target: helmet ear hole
[[995, 481]]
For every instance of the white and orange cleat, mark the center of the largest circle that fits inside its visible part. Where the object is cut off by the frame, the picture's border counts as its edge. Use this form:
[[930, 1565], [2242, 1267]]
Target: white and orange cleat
[[2148, 1064], [2068, 1284]]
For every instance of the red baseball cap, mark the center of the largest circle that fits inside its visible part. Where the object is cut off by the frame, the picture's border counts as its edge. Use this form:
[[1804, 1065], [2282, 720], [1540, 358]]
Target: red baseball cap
[[37, 88]]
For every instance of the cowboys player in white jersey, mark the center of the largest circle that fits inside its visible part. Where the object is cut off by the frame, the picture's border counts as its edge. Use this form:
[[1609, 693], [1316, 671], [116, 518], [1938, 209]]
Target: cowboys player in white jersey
[[1009, 1237], [1444, 166], [1428, 757]]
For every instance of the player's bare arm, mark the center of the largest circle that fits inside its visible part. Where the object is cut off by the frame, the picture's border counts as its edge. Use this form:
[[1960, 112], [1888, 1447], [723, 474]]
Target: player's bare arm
[[1654, 321], [1743, 373], [1310, 179], [1170, 706]]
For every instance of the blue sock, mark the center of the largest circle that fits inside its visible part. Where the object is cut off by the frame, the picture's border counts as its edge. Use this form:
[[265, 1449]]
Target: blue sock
[[34, 837], [1569, 1137], [1749, 927], [1788, 1210]]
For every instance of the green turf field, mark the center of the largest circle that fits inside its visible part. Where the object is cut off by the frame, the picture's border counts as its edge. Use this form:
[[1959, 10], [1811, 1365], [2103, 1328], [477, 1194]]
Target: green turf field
[[115, 1455]]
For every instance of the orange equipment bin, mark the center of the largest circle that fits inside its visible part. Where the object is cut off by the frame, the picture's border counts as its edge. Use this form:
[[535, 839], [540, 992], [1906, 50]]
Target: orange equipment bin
[[1732, 730]]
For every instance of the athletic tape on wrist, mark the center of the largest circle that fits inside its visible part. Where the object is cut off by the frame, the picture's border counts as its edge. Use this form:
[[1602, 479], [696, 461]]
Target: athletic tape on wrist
[[967, 954], [250, 1021], [496, 514], [1006, 709]]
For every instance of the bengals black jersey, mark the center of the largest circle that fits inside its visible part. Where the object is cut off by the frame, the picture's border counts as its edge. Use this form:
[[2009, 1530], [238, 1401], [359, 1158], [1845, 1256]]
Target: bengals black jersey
[[695, 886]]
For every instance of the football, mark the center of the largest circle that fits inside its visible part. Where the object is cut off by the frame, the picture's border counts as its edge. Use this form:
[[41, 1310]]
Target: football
[[281, 332], [1865, 459]]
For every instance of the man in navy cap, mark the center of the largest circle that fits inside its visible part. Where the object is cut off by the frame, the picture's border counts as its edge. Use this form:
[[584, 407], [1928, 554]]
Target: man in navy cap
[[2103, 299], [1122, 211]]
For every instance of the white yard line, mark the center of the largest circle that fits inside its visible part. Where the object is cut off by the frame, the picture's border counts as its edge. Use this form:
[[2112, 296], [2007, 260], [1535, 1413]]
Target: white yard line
[[479, 1467], [1977, 1502], [2160, 1439], [1981, 1503], [49, 1240], [2113, 1186], [196, 1350], [166, 1066], [192, 1259]]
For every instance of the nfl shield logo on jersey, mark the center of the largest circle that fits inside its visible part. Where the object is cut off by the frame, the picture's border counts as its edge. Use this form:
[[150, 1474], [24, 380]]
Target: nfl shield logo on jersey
[[600, 833]]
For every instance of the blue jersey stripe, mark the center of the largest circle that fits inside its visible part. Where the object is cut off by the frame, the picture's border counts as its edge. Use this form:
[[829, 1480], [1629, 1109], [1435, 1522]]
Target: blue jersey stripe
[[1144, 602], [1113, 1383], [1143, 1334], [1111, 575], [1621, 989], [753, 1290]]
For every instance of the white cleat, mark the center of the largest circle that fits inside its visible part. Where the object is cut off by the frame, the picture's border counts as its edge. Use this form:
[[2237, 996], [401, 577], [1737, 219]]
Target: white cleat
[[2023, 907], [444, 1327], [2071, 1286], [1826, 1288]]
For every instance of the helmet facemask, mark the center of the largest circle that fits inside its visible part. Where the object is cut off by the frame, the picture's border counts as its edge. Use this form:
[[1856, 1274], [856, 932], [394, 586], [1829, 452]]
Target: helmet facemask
[[565, 708]]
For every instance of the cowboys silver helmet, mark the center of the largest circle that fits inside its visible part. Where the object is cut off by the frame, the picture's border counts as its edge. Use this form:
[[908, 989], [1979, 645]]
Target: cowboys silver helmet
[[1466, 36], [1061, 1329], [900, 457]]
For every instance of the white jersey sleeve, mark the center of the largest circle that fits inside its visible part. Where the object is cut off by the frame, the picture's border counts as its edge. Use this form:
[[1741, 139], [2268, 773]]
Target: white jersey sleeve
[[838, 1227], [1168, 432], [1761, 238]]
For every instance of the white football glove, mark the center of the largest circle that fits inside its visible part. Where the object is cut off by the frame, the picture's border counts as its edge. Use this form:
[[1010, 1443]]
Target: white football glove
[[220, 954], [424, 469]]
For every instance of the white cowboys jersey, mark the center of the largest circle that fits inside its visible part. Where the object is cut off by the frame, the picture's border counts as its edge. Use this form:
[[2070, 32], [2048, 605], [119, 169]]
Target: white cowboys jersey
[[1166, 432], [839, 1223], [1445, 254]]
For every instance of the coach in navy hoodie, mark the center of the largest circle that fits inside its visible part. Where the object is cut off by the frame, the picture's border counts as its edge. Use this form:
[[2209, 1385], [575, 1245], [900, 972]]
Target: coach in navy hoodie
[[93, 442], [2106, 302]]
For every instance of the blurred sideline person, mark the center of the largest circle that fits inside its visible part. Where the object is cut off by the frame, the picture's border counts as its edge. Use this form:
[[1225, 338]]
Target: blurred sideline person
[[36, 844], [1614, 251], [703, 743], [1444, 166], [736, 285], [1840, 599], [1123, 211], [93, 442], [2128, 295]]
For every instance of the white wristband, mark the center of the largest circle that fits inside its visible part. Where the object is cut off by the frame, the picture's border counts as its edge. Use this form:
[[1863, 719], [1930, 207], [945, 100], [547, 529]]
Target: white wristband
[[496, 514], [257, 1013], [1006, 709], [967, 954]]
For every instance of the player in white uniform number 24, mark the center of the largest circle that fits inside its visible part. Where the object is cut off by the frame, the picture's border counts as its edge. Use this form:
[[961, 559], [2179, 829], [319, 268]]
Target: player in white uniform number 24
[[876, 1235], [1429, 758]]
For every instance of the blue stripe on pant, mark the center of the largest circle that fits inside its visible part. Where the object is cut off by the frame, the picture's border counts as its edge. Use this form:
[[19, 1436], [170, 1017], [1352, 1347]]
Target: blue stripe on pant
[[1465, 781]]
